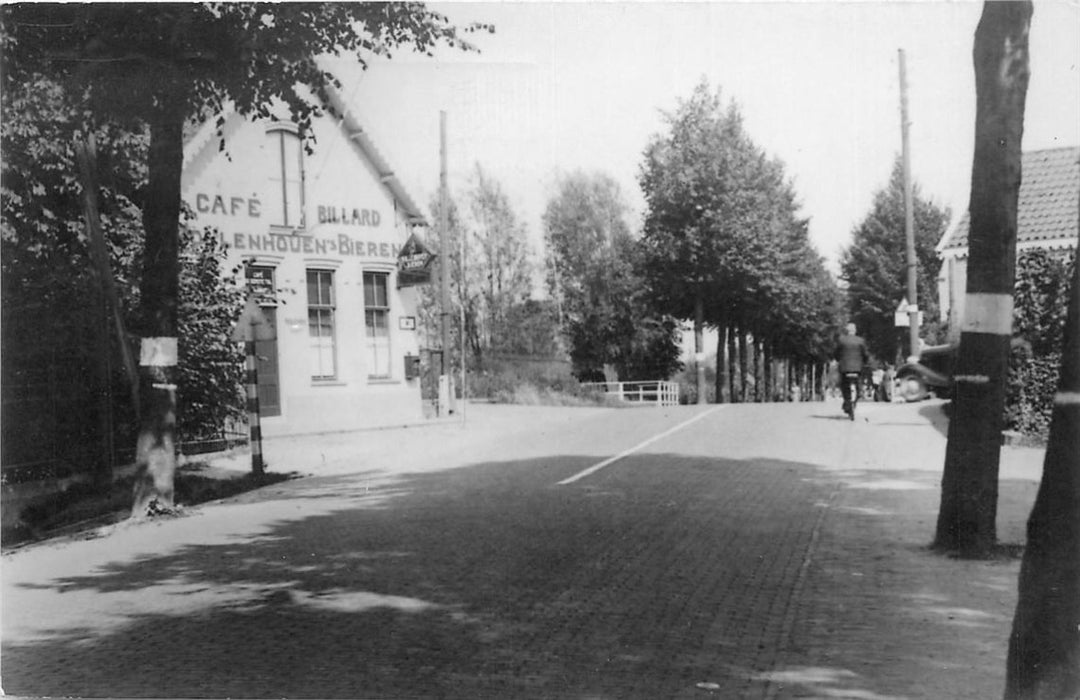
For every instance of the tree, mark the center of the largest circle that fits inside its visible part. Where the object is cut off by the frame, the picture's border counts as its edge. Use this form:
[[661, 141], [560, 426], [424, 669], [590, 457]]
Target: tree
[[47, 273], [499, 245], [490, 275], [1044, 647], [969, 485], [581, 222], [157, 66], [875, 264], [698, 229], [593, 275], [721, 230], [211, 364]]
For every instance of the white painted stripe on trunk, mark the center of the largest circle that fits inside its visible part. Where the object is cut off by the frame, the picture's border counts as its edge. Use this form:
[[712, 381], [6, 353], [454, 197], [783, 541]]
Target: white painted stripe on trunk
[[600, 465], [988, 313], [1067, 398]]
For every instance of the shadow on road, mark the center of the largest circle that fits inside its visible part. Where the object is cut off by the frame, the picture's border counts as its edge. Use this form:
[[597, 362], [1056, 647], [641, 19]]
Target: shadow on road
[[484, 581], [938, 415]]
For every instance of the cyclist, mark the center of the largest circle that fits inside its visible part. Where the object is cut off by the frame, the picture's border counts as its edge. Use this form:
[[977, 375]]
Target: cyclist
[[851, 355]]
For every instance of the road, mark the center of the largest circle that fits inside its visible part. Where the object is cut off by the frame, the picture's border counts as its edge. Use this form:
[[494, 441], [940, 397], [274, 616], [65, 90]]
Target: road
[[756, 551]]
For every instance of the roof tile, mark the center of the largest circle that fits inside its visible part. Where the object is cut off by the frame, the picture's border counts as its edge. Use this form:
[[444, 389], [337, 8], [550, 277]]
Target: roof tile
[[1049, 197]]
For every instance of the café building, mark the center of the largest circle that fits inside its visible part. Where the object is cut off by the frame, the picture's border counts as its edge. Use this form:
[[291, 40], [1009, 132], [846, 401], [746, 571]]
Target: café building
[[329, 244]]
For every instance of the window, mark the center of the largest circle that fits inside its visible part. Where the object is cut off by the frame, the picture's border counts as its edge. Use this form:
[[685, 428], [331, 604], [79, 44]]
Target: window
[[286, 197], [320, 294], [376, 321]]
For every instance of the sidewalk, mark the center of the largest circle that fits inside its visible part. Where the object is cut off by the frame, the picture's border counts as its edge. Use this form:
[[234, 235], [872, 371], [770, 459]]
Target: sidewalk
[[719, 563]]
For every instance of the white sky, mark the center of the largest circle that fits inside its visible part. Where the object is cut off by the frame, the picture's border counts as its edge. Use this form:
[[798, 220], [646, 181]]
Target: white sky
[[566, 86]]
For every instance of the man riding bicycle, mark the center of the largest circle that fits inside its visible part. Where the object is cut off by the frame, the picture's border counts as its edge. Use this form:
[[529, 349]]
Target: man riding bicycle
[[851, 355]]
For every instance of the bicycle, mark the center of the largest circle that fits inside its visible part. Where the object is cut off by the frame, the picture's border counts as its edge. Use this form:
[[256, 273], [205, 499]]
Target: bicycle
[[851, 380]]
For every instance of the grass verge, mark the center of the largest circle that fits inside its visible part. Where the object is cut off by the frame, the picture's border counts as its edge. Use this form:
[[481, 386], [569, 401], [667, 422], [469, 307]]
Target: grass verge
[[83, 505]]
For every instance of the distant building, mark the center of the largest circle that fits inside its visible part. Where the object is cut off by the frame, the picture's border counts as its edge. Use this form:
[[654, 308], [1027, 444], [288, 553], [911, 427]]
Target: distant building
[[1046, 218], [320, 238]]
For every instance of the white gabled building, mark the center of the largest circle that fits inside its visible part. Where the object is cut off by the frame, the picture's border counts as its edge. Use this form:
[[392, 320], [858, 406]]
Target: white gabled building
[[320, 236]]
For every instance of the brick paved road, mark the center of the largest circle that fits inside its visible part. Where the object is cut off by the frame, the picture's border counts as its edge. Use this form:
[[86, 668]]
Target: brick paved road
[[705, 564]]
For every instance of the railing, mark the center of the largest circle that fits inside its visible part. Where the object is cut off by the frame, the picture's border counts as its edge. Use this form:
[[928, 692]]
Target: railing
[[654, 392]]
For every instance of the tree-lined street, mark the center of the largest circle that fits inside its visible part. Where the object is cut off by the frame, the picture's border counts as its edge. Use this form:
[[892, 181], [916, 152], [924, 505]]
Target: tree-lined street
[[739, 551]]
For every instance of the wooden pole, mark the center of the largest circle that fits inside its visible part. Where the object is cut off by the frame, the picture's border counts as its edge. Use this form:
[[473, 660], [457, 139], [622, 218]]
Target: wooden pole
[[444, 267], [909, 217]]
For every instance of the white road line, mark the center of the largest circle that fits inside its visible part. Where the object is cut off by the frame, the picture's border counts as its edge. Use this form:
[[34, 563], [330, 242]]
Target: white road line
[[600, 465]]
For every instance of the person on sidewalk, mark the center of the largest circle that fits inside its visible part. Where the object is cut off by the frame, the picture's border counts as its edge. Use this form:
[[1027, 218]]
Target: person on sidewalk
[[851, 356]]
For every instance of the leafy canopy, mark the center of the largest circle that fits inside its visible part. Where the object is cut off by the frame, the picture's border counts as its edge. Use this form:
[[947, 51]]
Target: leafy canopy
[[875, 264], [127, 56], [592, 271]]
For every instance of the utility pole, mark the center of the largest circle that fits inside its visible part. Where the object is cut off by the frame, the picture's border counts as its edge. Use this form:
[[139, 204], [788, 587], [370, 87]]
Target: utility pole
[[444, 267], [909, 218]]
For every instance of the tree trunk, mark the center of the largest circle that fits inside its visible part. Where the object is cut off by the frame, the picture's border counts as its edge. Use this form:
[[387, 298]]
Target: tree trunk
[[156, 448], [699, 347], [103, 467], [722, 393], [733, 363], [969, 485], [743, 385], [767, 371], [759, 372], [1044, 648]]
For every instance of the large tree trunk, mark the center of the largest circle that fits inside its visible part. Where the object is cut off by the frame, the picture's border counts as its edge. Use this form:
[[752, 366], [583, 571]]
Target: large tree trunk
[[156, 447], [969, 485], [1044, 648]]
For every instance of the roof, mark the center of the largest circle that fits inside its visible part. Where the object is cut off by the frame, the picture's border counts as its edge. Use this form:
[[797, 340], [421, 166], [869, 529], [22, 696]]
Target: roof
[[1047, 211], [413, 214], [199, 144]]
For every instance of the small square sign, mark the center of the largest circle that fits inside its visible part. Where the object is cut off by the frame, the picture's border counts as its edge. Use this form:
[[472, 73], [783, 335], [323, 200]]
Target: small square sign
[[407, 323]]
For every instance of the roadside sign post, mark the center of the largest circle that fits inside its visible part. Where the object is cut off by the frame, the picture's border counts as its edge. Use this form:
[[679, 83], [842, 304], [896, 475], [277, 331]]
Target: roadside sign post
[[253, 326]]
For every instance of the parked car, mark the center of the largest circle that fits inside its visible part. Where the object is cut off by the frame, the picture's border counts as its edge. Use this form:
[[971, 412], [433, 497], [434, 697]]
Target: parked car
[[932, 374]]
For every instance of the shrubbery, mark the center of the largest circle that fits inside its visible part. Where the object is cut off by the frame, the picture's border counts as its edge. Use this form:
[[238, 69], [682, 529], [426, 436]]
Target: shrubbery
[[1042, 281], [531, 382], [1029, 398]]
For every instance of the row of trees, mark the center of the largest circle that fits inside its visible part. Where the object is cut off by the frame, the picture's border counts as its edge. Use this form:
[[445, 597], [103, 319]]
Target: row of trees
[[724, 245]]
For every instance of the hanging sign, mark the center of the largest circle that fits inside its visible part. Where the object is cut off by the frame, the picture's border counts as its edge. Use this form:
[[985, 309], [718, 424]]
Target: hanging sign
[[414, 263]]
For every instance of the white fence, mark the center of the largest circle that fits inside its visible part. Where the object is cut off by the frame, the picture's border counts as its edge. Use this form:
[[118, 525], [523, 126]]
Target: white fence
[[655, 392]]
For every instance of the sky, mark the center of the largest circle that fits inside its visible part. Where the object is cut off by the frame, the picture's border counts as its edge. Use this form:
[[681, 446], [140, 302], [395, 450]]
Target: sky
[[568, 86]]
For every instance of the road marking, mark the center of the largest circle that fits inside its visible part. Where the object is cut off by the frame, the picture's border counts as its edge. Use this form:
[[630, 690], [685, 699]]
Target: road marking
[[600, 465]]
